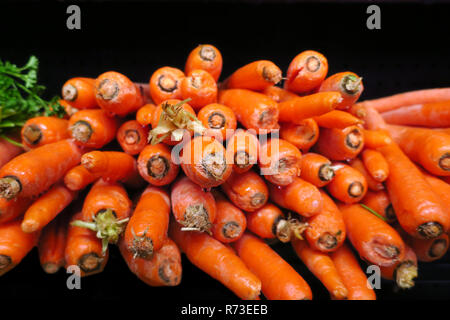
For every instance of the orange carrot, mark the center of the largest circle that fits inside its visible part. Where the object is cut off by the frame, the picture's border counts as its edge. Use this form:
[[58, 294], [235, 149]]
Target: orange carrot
[[52, 244], [218, 119], [39, 131], [79, 178], [440, 188], [33, 172], [340, 144], [8, 150], [348, 84], [200, 87], [432, 115], [299, 196], [246, 190], [257, 76], [302, 135], [375, 164], [278, 94], [358, 110], [428, 250], [165, 83], [242, 150], [155, 165], [69, 110], [372, 184], [205, 57], [376, 138], [316, 169], [306, 71], [11, 209], [337, 119], [348, 184], [403, 271], [379, 202], [132, 137], [279, 280], [80, 93], [321, 265], [144, 115]]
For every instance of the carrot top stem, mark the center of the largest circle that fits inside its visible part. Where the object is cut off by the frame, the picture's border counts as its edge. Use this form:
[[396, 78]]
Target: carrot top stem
[[196, 218], [326, 172], [207, 53], [272, 74], [351, 84], [9, 187], [32, 134], [430, 229], [405, 274], [81, 131], [69, 92], [285, 229], [108, 89]]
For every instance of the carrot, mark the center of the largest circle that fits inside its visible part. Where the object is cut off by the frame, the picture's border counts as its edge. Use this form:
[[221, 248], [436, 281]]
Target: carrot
[[46, 208], [372, 184], [146, 231], [379, 202], [155, 165], [374, 139], [340, 144], [105, 211], [52, 244], [375, 240], [358, 110], [163, 269], [165, 84], [279, 94], [203, 160], [14, 244], [440, 188], [302, 135], [79, 178], [279, 280], [375, 164], [428, 250], [348, 84], [116, 94], [201, 87], [8, 150], [205, 57], [316, 169], [11, 209], [70, 111], [93, 128], [80, 93], [316, 104], [144, 115], [219, 120], [230, 222], [280, 161], [39, 131], [269, 222], [257, 76], [299, 196], [246, 190], [132, 137], [252, 109], [84, 249], [321, 265], [432, 115], [326, 230], [429, 148], [407, 99], [337, 119], [33, 172], [348, 184], [242, 150], [306, 72], [403, 271], [354, 278], [193, 208]]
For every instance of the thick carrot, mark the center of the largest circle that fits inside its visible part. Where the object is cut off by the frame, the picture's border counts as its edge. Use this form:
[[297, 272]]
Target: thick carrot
[[302, 135], [299, 196], [52, 244], [279, 280], [306, 71], [147, 229], [280, 161], [440, 188], [242, 150], [39, 131], [403, 271], [348, 84], [79, 178], [372, 184], [340, 144], [116, 94], [132, 137], [218, 119], [279, 94], [379, 202], [14, 244], [8, 150], [246, 190], [80, 93], [348, 184], [428, 250], [218, 261], [192, 207], [337, 119], [316, 169], [205, 57], [33, 172], [376, 138], [163, 269], [93, 128], [326, 230], [321, 265], [203, 160], [252, 109], [354, 278], [155, 165], [144, 115], [257, 76], [316, 104], [11, 209], [200, 87], [432, 115], [47, 207], [375, 164], [165, 83], [375, 240]]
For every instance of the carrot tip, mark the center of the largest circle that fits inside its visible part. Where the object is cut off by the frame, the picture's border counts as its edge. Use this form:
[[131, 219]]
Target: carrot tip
[[405, 274], [32, 134], [168, 272], [90, 262], [231, 230], [326, 172], [444, 162], [207, 53], [142, 246], [257, 199], [430, 230], [69, 92], [29, 226], [355, 189], [51, 267], [354, 139], [272, 74], [9, 187], [438, 248], [196, 218], [214, 164], [292, 227], [5, 261], [351, 84], [108, 89], [81, 131]]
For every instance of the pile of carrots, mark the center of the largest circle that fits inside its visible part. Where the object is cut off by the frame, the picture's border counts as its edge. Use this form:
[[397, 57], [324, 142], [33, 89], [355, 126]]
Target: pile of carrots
[[217, 169]]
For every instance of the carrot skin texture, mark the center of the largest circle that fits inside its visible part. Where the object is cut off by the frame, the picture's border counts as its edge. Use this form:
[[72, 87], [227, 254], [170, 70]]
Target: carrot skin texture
[[428, 250], [256, 76], [303, 135], [200, 87], [11, 209], [380, 202], [279, 94], [263, 222], [39, 131], [230, 222], [79, 92], [144, 115], [205, 57], [375, 164], [316, 169], [340, 144], [372, 184], [374, 139], [79, 178], [432, 115], [337, 119], [52, 244], [348, 184]]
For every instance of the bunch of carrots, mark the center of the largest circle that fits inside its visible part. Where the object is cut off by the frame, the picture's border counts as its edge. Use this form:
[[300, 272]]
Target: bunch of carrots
[[216, 170]]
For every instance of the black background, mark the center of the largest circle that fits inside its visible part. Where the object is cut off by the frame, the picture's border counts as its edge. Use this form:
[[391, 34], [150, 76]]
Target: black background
[[410, 52]]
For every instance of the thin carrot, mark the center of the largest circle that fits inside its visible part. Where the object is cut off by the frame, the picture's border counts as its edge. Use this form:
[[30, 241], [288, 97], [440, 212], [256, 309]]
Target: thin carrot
[[39, 131], [299, 196], [358, 110], [192, 207], [79, 178], [279, 280], [155, 165], [257, 76], [165, 83], [340, 144], [375, 240], [80, 93], [432, 115], [33, 172], [372, 184], [8, 150], [321, 265], [218, 261], [47, 207], [355, 280], [379, 201], [428, 250], [144, 115], [246, 190], [11, 209], [205, 57], [302, 135], [116, 94], [337, 119], [93, 128], [52, 244], [403, 271], [375, 164], [200, 87], [218, 119], [70, 111], [316, 169], [348, 184], [306, 71], [280, 161], [376, 138], [348, 84], [252, 109], [132, 137], [279, 94], [242, 150]]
